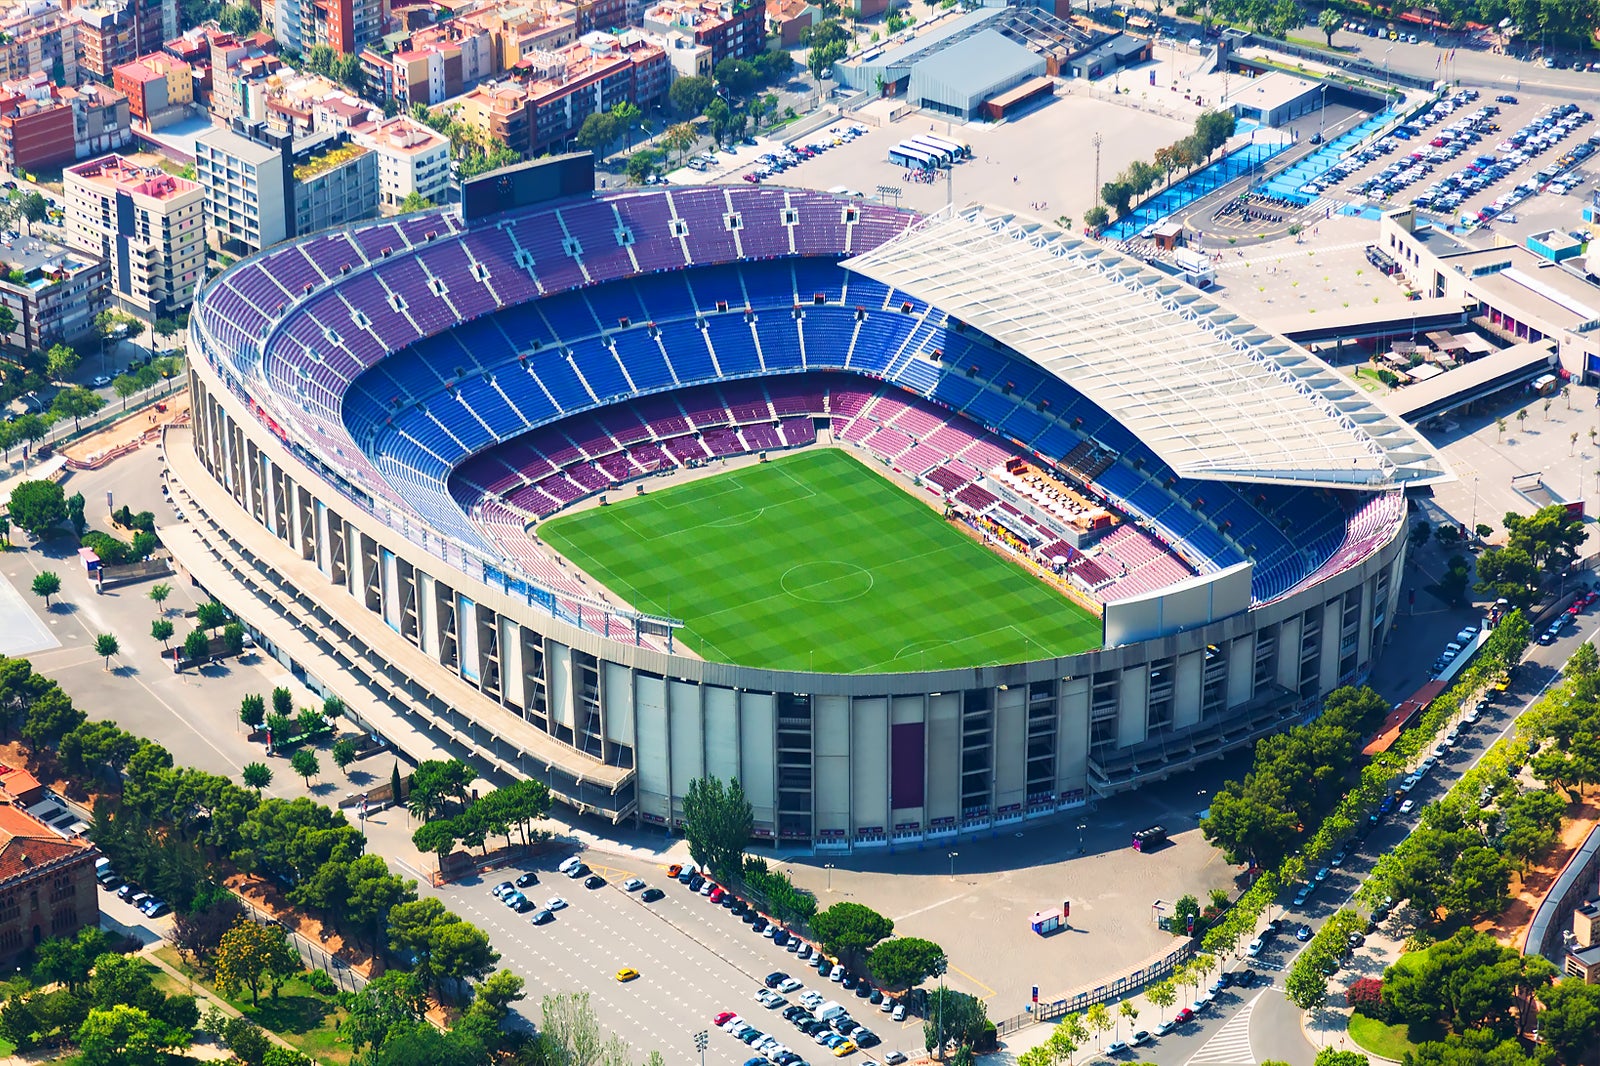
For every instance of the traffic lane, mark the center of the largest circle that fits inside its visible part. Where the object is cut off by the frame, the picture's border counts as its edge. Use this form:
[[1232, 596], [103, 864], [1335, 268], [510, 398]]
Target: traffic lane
[[681, 983]]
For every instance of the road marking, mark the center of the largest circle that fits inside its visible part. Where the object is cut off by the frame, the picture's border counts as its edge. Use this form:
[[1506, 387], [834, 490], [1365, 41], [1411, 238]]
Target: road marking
[[1230, 1045], [929, 907]]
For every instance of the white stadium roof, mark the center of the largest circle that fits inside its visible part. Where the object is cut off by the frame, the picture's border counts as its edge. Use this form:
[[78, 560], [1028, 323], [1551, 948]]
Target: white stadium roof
[[1214, 396]]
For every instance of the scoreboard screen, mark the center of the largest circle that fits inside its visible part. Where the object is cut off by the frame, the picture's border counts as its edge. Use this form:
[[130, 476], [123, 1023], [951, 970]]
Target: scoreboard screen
[[527, 183]]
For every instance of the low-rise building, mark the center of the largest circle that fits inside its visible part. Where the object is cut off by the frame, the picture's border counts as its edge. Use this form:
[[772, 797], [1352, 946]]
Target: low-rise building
[[47, 885], [36, 128], [101, 120], [788, 20], [732, 29], [53, 292], [411, 159], [545, 111], [238, 68], [147, 224], [159, 87], [432, 64], [335, 181], [113, 32]]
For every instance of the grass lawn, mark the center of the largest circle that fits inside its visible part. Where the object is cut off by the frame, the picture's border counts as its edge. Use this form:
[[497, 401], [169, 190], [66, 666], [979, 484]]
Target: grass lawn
[[1380, 1038], [813, 562], [301, 1015]]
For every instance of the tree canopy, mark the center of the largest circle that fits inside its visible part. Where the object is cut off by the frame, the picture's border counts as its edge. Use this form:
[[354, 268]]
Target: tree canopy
[[37, 507], [850, 930], [718, 823]]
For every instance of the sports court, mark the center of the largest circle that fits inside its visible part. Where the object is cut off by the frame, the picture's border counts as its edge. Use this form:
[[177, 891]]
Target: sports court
[[22, 631], [814, 562]]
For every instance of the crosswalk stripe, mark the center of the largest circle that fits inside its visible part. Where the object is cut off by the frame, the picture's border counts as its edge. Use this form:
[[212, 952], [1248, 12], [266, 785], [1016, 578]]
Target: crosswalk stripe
[[1230, 1045]]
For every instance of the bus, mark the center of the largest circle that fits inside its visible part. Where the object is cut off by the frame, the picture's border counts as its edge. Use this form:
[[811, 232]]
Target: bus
[[955, 148], [907, 156], [941, 155]]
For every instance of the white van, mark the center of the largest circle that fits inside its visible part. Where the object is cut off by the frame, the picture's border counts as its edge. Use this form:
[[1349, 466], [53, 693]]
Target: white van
[[828, 1011]]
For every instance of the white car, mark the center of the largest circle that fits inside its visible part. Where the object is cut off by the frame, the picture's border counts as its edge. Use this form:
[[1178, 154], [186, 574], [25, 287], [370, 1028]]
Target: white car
[[555, 903], [733, 1023], [633, 884], [810, 999], [899, 1015], [1408, 806], [1255, 947], [791, 985], [568, 863]]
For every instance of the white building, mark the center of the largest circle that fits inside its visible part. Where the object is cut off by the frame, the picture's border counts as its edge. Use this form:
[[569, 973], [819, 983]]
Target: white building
[[149, 225], [411, 159], [246, 188]]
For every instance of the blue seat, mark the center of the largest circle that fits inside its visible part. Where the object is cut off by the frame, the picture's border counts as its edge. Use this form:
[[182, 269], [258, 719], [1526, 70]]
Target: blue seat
[[734, 343], [687, 352], [642, 357], [600, 369], [552, 368]]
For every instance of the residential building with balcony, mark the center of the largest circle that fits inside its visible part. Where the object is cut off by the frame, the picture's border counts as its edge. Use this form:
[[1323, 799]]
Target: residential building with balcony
[[732, 29], [37, 35], [147, 224], [411, 159], [53, 293], [159, 87]]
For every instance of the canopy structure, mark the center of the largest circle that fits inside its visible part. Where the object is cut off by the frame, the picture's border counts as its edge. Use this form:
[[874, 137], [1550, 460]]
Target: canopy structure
[[1214, 396]]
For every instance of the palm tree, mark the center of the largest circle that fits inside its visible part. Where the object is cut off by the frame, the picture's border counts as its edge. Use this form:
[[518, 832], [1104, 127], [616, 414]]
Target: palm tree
[[1500, 427], [1574, 449], [1522, 416]]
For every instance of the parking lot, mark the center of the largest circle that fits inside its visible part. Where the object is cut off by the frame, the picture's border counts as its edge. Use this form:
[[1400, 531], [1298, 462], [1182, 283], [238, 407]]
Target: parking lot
[[1479, 159], [694, 959]]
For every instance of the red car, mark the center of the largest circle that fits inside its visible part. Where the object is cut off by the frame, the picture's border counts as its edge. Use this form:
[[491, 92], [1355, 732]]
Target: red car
[[1184, 1016], [716, 895], [722, 1018]]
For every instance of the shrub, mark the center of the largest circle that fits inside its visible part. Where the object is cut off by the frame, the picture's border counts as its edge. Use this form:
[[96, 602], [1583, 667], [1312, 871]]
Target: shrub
[[1366, 995], [320, 982]]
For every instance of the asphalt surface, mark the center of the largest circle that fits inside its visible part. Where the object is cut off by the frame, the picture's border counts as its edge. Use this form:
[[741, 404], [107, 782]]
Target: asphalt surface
[[695, 959]]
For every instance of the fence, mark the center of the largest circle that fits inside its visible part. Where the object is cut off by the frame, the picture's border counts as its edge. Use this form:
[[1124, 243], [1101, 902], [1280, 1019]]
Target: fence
[[315, 956], [1118, 987]]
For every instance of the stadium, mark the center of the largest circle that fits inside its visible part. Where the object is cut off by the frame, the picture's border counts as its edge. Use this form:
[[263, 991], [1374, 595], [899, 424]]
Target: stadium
[[915, 525]]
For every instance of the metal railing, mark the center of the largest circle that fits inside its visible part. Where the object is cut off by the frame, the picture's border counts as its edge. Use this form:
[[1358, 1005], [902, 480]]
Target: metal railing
[[1115, 988]]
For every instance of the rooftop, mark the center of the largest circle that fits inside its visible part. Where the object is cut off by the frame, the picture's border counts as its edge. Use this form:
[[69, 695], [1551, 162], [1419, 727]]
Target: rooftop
[[237, 145], [153, 67], [1268, 92], [975, 64], [40, 259], [27, 844], [400, 134], [115, 172], [328, 160], [1216, 397]]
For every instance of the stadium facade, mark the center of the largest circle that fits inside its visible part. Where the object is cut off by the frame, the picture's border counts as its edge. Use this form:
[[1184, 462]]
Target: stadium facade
[[381, 413]]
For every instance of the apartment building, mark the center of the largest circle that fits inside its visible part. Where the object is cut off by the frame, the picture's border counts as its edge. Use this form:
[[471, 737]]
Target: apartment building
[[343, 25], [113, 32], [236, 67], [263, 186], [37, 35], [732, 29], [53, 292], [101, 119], [159, 87], [411, 159], [147, 224], [545, 111], [431, 64]]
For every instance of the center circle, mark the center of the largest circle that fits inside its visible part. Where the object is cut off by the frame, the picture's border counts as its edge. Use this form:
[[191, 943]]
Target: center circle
[[826, 581]]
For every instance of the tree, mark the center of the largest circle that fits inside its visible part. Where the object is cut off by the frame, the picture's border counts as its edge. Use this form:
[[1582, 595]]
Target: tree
[[679, 137], [61, 362], [597, 132], [394, 783], [905, 962], [46, 583], [1570, 1021], [344, 753], [256, 775], [8, 324], [1329, 22], [247, 1040], [233, 638], [126, 1036], [50, 717], [37, 507], [1186, 911], [1096, 217], [253, 709], [415, 201], [196, 646], [643, 164], [1163, 995], [1306, 987], [627, 116], [424, 1045], [75, 403], [1251, 823], [282, 701], [125, 385], [953, 1015], [105, 646], [691, 95], [159, 593], [211, 615], [720, 115], [1098, 1018], [736, 76], [242, 20], [718, 823], [251, 955], [393, 1001], [75, 504], [1126, 1010], [849, 930], [304, 763], [1286, 16]]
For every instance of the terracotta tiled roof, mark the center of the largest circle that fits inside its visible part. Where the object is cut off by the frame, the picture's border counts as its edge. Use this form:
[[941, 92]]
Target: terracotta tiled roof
[[27, 844]]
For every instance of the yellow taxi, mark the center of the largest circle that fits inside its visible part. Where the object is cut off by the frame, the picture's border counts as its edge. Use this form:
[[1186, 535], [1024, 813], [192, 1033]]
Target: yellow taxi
[[844, 1049], [627, 973]]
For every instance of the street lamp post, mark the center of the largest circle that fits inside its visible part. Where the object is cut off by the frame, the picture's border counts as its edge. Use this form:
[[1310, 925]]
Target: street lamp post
[[1081, 827], [701, 1039], [953, 855], [1386, 52], [1322, 110], [828, 866]]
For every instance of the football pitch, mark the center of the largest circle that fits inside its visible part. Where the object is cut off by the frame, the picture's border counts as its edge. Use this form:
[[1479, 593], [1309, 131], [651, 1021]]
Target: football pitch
[[813, 562]]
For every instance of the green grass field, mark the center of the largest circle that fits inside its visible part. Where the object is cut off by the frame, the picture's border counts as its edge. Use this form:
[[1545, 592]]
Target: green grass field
[[813, 562]]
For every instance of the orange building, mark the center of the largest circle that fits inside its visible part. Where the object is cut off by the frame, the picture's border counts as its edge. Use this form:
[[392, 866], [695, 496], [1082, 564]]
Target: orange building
[[47, 886]]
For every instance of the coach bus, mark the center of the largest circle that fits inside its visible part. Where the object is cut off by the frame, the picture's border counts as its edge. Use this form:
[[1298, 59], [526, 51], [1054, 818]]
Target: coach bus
[[941, 155], [956, 149], [905, 155]]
